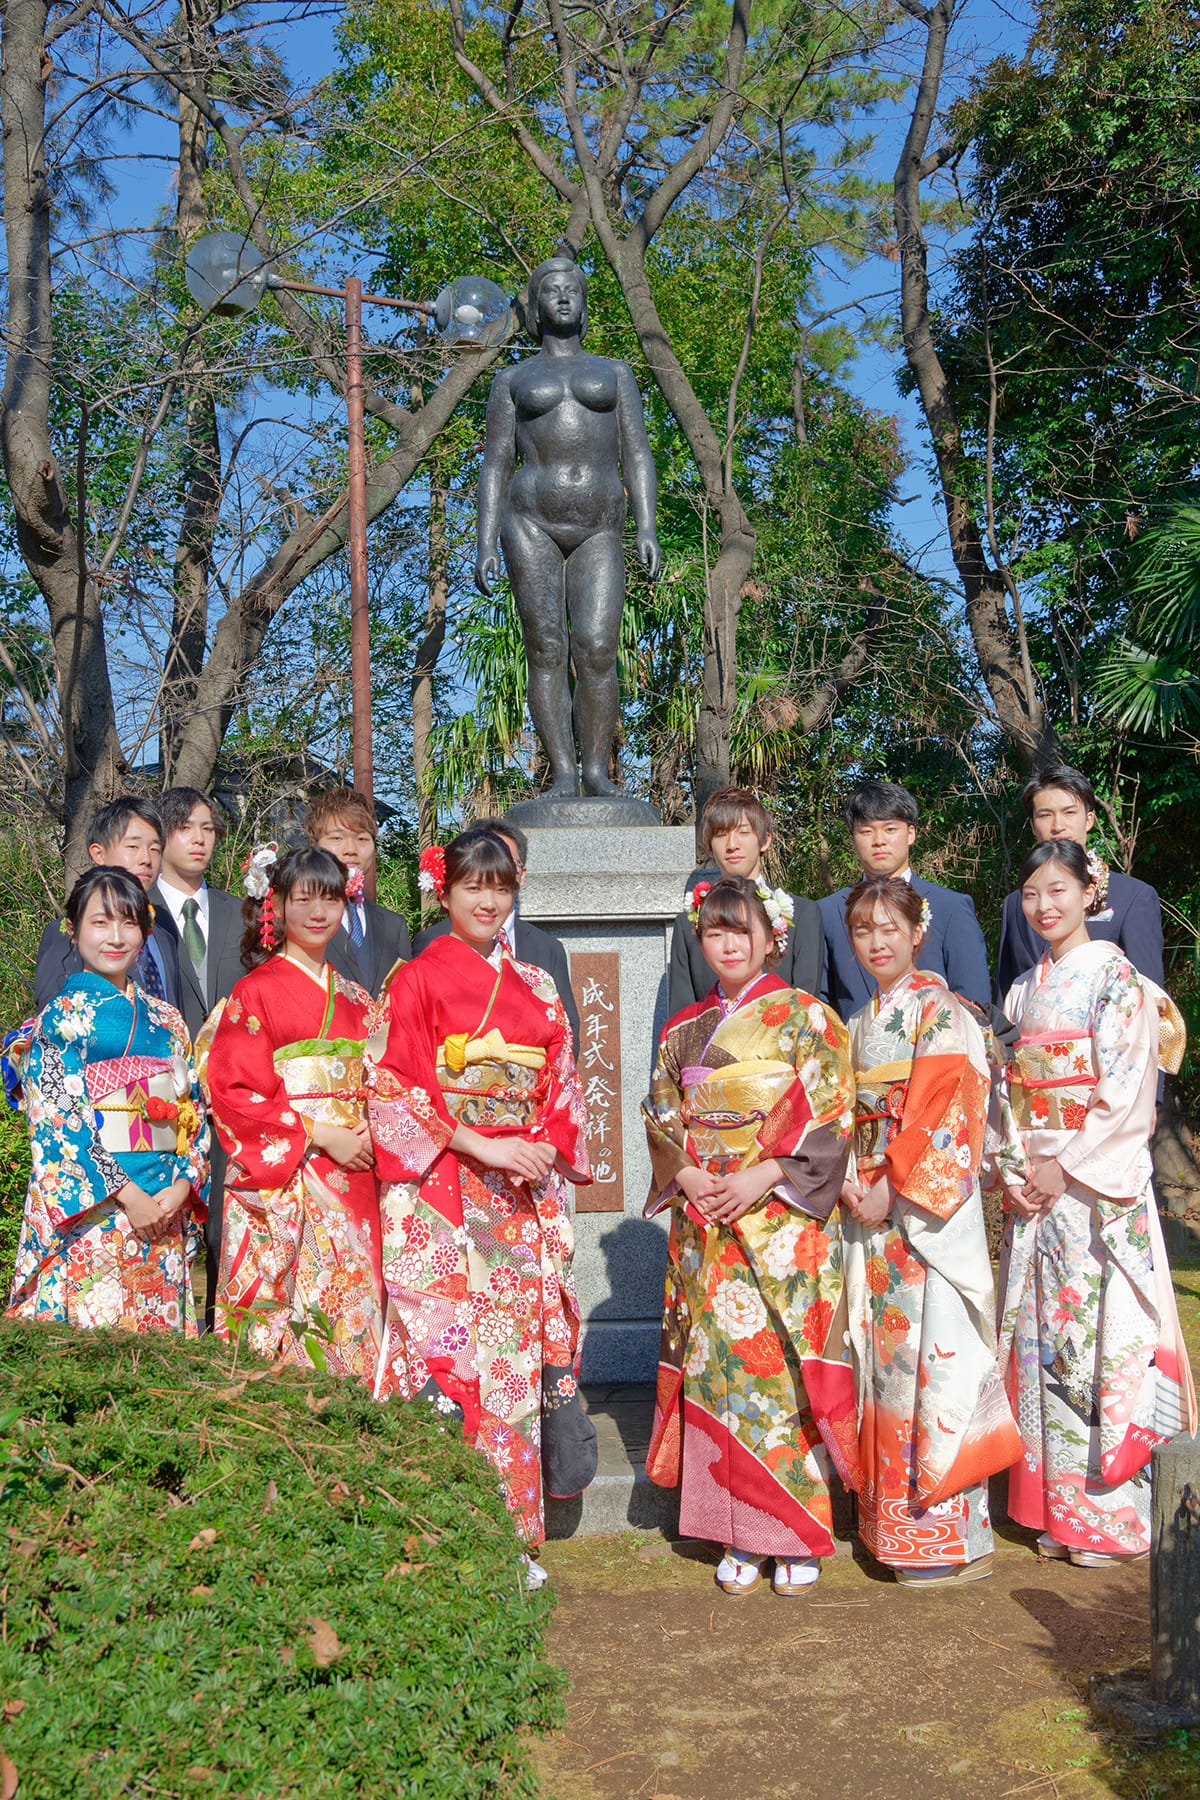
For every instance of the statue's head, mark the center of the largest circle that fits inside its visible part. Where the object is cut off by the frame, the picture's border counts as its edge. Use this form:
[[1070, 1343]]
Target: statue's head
[[557, 295]]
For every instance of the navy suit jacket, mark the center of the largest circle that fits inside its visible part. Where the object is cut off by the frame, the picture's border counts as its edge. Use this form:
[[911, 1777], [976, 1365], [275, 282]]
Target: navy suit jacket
[[953, 948], [386, 941], [802, 964], [541, 948], [57, 958], [1131, 918]]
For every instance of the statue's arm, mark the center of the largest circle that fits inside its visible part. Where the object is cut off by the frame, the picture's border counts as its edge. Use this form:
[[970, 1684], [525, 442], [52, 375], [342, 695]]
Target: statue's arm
[[637, 468], [499, 456]]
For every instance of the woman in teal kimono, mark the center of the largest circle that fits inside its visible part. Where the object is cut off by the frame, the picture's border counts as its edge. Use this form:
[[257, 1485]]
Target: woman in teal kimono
[[117, 1134]]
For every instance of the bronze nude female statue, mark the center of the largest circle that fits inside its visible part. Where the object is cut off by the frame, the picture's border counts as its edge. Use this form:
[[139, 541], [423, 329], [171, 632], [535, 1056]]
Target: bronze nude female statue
[[566, 444]]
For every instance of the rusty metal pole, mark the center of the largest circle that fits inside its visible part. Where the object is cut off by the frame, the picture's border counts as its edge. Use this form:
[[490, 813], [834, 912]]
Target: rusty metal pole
[[360, 630]]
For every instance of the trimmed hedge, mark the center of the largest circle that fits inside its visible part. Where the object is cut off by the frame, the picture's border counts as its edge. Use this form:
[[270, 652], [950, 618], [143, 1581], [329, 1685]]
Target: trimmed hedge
[[226, 1580]]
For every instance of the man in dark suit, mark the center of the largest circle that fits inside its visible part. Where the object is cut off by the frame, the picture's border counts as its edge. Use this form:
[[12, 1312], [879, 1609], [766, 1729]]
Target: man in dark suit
[[735, 830], [125, 834], [528, 943], [883, 825], [371, 939], [208, 923], [1061, 803]]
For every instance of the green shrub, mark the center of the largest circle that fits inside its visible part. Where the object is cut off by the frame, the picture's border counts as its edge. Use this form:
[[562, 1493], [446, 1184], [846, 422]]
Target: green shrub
[[224, 1580], [14, 1178]]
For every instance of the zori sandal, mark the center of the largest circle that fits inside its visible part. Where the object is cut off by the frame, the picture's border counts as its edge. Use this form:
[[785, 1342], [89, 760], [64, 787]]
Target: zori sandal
[[738, 1574], [795, 1575]]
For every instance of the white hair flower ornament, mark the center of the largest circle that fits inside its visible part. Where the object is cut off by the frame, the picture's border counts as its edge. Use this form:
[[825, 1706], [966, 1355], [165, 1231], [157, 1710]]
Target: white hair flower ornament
[[781, 911], [256, 870], [926, 914]]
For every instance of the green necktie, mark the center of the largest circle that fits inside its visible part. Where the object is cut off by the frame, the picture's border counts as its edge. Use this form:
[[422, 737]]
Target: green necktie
[[193, 933]]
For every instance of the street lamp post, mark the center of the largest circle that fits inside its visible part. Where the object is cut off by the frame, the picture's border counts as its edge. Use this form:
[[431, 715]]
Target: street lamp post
[[227, 274]]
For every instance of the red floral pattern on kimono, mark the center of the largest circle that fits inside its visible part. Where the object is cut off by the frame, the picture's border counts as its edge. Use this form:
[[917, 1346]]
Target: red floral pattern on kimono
[[477, 1266], [755, 1392], [301, 1235]]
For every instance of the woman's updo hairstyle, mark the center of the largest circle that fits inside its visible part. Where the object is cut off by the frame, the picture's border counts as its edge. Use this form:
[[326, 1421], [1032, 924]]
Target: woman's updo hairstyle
[[1070, 856], [733, 904], [123, 895], [899, 898], [318, 870], [477, 855]]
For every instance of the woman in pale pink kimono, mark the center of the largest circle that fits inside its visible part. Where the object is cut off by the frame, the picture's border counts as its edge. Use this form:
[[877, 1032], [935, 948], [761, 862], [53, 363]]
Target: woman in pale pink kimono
[[1089, 1334]]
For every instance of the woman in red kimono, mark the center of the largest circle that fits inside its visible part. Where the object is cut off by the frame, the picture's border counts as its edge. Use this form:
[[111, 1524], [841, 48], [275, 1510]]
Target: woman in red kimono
[[479, 1121], [301, 1268]]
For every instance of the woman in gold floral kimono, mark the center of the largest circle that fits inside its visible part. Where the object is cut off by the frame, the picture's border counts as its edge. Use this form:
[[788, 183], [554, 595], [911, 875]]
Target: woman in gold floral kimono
[[749, 1119]]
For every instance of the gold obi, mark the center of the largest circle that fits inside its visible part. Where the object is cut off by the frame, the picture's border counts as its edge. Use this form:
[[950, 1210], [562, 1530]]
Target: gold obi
[[324, 1078], [1052, 1082], [487, 1081], [146, 1113], [725, 1109], [880, 1094]]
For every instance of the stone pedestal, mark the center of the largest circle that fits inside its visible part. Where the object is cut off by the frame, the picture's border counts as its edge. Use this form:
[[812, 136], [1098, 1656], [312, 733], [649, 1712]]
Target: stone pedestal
[[611, 894]]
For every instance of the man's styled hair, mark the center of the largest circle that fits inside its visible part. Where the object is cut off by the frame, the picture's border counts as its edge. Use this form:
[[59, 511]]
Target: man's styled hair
[[507, 829], [109, 825], [339, 806], [727, 808], [1058, 775], [874, 800], [177, 805]]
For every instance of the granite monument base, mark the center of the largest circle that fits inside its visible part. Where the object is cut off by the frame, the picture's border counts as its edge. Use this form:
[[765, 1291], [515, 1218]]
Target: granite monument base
[[611, 893]]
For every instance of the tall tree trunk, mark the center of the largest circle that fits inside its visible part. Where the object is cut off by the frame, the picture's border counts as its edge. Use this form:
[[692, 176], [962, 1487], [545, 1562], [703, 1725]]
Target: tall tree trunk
[[428, 651], [1017, 702], [49, 538], [201, 496]]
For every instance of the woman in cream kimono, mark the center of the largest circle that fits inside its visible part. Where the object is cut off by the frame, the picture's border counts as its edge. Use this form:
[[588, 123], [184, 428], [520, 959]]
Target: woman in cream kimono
[[1089, 1334], [748, 1119]]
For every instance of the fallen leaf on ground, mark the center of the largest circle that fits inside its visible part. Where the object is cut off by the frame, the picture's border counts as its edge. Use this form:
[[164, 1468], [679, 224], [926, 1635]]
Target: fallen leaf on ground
[[313, 1404], [270, 1496], [339, 1491], [323, 1642], [10, 1781], [201, 1593], [203, 1540], [13, 1707], [229, 1393]]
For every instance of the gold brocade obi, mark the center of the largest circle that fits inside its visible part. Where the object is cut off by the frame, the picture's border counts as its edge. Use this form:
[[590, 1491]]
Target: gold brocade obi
[[1052, 1082], [324, 1077], [143, 1103], [880, 1094], [724, 1110], [487, 1081]]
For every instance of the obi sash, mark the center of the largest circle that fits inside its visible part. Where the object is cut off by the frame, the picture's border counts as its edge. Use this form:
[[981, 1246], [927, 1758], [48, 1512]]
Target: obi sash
[[727, 1112], [880, 1095], [490, 1083], [1052, 1082], [143, 1103], [324, 1077]]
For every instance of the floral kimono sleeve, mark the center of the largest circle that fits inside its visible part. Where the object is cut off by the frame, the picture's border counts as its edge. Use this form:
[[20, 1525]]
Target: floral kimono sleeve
[[934, 1158], [1103, 1153], [563, 1119], [1005, 1163], [410, 1126], [266, 1138], [814, 1152], [72, 1170], [665, 1130]]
